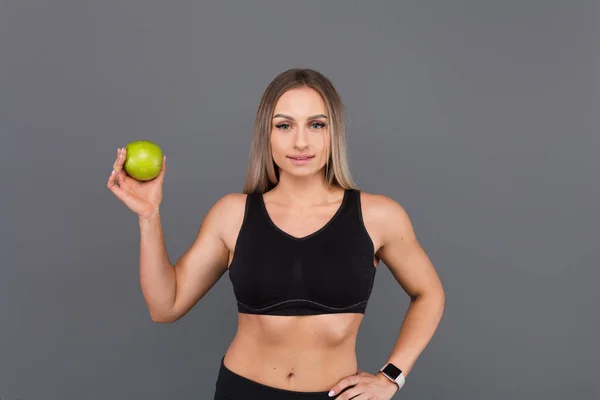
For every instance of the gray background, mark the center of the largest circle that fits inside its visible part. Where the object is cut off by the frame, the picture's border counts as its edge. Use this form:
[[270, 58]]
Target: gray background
[[479, 117]]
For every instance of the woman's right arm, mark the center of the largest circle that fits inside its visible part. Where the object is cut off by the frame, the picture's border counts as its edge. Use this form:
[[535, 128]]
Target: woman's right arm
[[170, 291]]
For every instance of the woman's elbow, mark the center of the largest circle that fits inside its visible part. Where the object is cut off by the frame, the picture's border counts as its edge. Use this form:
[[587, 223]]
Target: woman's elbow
[[163, 318]]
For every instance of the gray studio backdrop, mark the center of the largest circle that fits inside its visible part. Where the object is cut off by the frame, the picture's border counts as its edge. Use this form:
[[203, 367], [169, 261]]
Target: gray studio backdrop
[[479, 117]]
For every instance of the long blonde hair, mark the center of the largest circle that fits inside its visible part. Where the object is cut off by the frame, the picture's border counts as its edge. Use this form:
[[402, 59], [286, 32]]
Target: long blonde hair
[[263, 174]]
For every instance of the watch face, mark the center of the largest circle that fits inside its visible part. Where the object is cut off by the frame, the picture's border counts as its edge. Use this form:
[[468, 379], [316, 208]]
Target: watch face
[[392, 371]]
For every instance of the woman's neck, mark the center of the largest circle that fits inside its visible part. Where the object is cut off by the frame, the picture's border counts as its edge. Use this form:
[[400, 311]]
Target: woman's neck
[[304, 190]]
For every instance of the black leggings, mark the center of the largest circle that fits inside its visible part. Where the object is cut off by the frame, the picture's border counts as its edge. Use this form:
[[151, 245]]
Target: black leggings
[[231, 386]]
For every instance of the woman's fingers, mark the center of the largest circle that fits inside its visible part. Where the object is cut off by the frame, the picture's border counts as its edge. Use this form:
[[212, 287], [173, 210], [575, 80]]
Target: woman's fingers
[[113, 186], [118, 165], [118, 172], [122, 194], [118, 175]]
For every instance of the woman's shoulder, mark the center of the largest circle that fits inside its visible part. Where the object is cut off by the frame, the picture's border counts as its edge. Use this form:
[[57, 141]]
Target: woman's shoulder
[[226, 213], [378, 200], [233, 199], [381, 207], [230, 203], [226, 208]]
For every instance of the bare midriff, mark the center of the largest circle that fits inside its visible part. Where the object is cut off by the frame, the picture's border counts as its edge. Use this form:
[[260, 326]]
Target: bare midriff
[[299, 353]]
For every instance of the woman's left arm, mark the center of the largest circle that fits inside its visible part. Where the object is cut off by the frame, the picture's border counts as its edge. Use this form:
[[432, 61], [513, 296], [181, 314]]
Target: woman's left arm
[[402, 253]]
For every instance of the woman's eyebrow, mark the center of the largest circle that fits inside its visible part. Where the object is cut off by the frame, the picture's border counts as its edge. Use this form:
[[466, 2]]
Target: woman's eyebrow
[[292, 118]]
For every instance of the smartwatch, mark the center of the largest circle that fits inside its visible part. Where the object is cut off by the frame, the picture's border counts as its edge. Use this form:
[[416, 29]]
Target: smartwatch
[[394, 374]]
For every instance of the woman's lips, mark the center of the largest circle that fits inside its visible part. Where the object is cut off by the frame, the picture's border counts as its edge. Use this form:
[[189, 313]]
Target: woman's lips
[[301, 160]]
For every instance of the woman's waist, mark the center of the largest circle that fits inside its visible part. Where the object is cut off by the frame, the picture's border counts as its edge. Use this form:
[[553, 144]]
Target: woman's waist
[[297, 366]]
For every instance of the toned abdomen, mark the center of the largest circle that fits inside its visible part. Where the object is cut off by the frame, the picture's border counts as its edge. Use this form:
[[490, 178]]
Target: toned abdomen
[[299, 353]]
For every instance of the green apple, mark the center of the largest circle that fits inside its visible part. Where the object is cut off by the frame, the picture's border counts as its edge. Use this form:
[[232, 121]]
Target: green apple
[[143, 160]]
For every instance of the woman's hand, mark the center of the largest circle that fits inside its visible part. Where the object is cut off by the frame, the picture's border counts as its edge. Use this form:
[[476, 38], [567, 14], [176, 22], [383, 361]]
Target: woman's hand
[[365, 386], [143, 198]]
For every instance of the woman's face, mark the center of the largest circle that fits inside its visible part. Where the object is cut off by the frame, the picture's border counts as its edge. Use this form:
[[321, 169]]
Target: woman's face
[[300, 133]]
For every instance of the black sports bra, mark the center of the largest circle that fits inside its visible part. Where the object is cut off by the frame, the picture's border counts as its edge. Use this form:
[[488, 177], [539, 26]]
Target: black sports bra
[[329, 271]]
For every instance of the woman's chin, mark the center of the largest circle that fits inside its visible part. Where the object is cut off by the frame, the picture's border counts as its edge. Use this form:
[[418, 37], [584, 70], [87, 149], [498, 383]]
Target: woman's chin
[[300, 172]]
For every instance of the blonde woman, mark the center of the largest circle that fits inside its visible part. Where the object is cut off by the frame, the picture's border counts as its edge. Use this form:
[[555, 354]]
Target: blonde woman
[[301, 245]]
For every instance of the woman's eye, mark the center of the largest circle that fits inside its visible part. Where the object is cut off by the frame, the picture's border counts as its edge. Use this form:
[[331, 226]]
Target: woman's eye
[[314, 125]]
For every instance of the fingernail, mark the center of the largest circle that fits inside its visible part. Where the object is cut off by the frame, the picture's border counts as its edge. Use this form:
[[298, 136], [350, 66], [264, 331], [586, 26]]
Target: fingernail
[[331, 393], [113, 172]]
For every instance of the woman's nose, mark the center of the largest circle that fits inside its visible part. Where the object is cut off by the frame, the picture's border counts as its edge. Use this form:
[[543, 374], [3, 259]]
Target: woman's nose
[[301, 138]]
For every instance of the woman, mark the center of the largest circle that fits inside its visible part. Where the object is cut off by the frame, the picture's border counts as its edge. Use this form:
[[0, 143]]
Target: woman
[[301, 246]]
